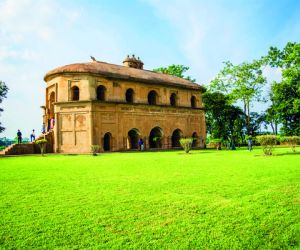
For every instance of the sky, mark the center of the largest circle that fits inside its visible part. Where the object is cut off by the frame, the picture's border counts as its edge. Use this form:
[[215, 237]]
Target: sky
[[37, 36]]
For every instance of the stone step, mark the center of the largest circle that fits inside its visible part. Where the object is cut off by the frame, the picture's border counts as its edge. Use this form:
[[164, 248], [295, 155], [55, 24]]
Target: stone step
[[29, 148]]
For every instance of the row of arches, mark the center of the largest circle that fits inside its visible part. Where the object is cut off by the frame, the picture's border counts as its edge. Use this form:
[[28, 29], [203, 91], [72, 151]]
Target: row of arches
[[154, 140], [129, 96]]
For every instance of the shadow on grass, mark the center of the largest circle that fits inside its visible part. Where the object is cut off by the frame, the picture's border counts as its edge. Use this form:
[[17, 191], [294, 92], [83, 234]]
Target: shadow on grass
[[280, 154]]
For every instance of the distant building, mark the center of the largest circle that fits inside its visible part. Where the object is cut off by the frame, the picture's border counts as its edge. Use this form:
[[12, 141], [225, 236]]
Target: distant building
[[98, 103]]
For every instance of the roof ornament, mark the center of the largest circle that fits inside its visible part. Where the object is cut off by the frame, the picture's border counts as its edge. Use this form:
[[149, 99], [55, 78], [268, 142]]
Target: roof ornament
[[133, 62], [93, 58]]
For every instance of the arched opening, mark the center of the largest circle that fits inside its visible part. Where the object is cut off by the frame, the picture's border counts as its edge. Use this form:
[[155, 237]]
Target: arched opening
[[173, 100], [129, 95], [133, 138], [155, 138], [193, 102], [101, 93], [195, 139], [107, 142], [75, 93], [152, 97], [51, 105], [177, 134]]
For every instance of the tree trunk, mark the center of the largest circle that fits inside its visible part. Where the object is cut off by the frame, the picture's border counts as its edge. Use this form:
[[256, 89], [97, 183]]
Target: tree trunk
[[273, 129], [248, 116]]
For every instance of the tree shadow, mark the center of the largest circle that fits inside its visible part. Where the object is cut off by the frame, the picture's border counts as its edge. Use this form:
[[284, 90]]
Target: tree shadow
[[280, 154]]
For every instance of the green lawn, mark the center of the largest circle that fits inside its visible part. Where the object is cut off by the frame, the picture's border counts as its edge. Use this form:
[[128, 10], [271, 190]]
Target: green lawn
[[206, 199]]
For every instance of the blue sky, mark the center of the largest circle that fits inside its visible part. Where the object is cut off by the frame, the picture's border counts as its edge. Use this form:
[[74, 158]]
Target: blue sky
[[38, 35]]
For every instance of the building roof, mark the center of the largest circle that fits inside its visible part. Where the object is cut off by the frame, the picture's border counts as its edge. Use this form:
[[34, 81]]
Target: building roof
[[124, 73]]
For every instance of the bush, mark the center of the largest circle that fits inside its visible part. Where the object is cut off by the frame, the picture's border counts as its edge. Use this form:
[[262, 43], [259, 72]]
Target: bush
[[42, 143], [292, 141], [267, 142], [216, 143], [186, 144], [95, 149]]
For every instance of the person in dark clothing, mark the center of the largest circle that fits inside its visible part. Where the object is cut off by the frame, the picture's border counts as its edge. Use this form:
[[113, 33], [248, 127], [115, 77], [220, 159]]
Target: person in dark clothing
[[19, 135], [250, 144], [32, 136], [141, 144]]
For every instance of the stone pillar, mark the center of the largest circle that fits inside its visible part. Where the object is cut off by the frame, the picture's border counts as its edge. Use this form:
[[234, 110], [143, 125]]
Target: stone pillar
[[56, 136], [91, 114]]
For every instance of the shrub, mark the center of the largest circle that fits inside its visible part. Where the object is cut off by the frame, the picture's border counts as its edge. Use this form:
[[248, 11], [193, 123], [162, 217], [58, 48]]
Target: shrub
[[95, 149], [217, 143], [186, 144], [157, 140], [267, 142], [292, 141], [42, 144]]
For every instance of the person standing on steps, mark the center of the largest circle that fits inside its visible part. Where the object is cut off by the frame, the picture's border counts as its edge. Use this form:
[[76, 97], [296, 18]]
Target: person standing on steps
[[32, 136], [19, 135]]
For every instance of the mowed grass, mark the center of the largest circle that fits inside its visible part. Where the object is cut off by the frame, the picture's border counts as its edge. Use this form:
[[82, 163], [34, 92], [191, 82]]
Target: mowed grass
[[206, 199]]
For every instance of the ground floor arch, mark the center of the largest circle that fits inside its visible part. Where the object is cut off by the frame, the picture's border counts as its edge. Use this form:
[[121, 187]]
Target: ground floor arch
[[176, 135], [133, 138], [107, 142], [155, 137]]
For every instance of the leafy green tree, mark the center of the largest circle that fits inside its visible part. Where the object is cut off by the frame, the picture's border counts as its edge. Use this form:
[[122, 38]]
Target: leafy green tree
[[3, 93], [241, 82], [272, 119], [175, 70], [256, 122], [224, 121], [285, 95]]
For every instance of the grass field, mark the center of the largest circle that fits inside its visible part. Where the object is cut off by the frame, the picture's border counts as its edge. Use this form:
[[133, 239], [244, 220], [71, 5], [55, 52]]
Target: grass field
[[207, 199]]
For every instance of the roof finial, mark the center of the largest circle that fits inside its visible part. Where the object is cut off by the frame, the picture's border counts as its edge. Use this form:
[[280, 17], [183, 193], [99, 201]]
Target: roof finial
[[93, 58]]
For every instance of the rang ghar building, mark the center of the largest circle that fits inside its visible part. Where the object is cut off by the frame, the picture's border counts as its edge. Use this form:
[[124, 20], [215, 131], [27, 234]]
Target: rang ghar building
[[113, 106]]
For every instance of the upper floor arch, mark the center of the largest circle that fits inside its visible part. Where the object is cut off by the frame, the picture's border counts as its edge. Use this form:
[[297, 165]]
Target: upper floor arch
[[75, 93], [101, 93]]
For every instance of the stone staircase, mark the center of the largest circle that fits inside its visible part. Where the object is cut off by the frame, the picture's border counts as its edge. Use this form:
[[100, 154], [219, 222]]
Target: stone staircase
[[30, 148]]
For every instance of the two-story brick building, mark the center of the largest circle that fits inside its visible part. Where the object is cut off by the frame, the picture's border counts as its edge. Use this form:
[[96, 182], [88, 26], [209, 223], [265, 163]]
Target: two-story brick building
[[113, 106]]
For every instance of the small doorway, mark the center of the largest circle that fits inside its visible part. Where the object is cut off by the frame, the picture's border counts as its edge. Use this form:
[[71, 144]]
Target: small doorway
[[107, 142]]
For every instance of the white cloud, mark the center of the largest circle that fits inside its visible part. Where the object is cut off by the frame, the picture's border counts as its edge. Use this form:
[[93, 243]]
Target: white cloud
[[207, 33], [37, 36]]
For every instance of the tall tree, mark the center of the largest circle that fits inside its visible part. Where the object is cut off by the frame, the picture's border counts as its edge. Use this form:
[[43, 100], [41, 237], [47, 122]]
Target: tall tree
[[272, 118], [285, 95], [242, 82], [3, 93], [224, 121], [175, 70]]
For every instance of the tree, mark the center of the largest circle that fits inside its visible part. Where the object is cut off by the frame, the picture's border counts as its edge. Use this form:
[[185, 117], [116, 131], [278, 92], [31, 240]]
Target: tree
[[3, 93], [175, 70], [224, 121], [242, 82], [285, 95], [272, 119], [256, 121]]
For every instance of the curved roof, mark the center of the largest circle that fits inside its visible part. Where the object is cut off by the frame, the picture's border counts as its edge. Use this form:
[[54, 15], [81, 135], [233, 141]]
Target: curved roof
[[124, 73]]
